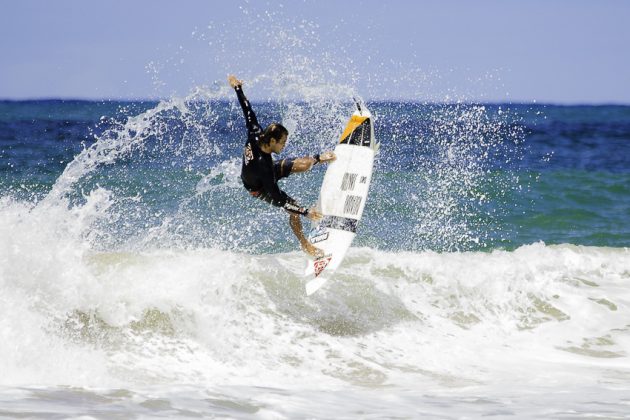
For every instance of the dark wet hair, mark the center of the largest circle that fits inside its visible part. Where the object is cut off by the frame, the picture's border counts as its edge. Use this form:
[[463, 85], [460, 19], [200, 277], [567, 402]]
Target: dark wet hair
[[273, 131]]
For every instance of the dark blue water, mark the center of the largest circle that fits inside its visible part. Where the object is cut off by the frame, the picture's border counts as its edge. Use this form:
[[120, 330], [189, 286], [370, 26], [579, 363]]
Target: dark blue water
[[449, 177]]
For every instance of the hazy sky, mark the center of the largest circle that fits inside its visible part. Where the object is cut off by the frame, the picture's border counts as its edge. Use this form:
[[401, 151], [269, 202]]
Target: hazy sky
[[569, 51]]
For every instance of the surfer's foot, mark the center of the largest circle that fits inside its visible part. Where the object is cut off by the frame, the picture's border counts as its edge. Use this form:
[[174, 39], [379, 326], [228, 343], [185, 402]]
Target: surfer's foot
[[312, 251]]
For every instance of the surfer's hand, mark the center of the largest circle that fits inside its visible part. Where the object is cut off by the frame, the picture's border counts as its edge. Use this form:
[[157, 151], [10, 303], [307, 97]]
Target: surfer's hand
[[313, 214], [234, 82], [327, 157]]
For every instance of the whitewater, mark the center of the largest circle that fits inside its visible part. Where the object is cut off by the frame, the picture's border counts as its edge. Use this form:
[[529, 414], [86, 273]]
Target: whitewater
[[538, 331]]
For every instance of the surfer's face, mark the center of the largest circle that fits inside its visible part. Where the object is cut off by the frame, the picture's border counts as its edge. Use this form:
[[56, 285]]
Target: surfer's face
[[278, 145]]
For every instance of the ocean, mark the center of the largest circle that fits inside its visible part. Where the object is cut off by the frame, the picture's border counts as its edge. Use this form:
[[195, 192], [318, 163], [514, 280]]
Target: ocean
[[490, 275]]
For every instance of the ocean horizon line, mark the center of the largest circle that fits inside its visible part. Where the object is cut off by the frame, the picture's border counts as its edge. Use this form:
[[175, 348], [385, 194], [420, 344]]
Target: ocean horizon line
[[374, 101]]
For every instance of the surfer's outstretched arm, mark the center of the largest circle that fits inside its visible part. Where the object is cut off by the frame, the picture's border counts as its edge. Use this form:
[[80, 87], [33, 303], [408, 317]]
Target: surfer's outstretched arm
[[305, 163], [248, 112]]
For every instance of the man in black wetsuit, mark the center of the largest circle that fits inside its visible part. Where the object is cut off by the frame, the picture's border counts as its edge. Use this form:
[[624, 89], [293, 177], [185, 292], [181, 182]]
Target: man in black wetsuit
[[260, 174]]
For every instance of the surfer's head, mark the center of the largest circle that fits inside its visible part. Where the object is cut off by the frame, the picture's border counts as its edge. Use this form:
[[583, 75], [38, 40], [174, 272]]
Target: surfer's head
[[275, 136]]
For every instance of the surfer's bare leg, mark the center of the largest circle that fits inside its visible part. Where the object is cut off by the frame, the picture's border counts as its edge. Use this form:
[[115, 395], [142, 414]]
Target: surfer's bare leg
[[296, 227], [303, 164]]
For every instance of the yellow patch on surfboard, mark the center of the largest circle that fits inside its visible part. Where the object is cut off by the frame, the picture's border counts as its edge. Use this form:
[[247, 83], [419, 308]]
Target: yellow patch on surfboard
[[355, 121]]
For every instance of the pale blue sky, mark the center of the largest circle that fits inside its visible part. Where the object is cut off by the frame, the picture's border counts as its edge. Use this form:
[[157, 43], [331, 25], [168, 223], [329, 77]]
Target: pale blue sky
[[569, 51]]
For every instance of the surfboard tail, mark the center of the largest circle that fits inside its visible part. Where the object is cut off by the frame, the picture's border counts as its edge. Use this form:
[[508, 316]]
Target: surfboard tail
[[314, 285]]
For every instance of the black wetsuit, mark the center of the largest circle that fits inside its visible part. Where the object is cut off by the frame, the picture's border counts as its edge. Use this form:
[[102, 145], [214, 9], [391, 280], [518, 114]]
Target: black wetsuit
[[259, 173]]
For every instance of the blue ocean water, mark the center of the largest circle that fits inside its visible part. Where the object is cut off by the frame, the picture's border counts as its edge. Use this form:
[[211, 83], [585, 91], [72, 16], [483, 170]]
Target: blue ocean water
[[508, 175], [489, 275]]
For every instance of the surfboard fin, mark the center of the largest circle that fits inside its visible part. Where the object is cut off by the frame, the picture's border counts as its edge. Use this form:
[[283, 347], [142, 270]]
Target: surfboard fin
[[314, 285], [358, 105]]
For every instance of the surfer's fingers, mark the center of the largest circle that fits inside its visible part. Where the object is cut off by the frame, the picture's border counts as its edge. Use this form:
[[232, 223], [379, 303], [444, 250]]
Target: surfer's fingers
[[327, 156], [234, 82]]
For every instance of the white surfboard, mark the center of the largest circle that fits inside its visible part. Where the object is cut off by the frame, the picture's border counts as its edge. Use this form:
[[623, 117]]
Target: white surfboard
[[342, 197]]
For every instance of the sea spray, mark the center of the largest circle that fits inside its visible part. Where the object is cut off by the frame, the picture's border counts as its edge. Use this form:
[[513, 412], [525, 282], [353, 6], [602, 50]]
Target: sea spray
[[139, 247], [152, 256], [459, 169]]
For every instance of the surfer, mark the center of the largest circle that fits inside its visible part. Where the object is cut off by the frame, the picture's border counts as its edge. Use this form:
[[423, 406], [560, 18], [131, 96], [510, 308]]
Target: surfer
[[260, 173]]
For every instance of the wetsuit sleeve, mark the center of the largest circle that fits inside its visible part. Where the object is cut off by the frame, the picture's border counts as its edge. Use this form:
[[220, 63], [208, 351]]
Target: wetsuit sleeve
[[279, 198], [250, 116]]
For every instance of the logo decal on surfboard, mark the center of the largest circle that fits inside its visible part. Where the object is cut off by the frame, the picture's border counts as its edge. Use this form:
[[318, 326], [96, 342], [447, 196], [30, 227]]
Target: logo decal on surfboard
[[319, 238], [319, 234], [320, 264]]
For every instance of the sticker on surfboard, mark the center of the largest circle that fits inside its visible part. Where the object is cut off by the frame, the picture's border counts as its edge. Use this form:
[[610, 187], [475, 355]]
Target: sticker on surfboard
[[320, 264]]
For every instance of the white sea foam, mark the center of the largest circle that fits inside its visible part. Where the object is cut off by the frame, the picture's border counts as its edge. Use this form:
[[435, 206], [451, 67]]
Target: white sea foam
[[70, 315]]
